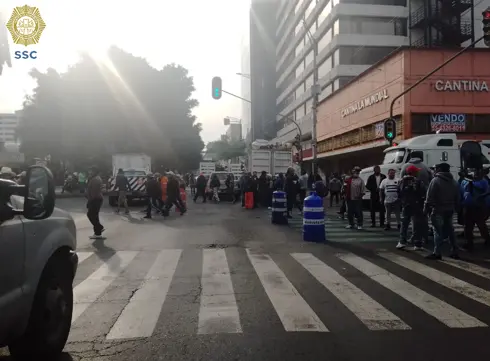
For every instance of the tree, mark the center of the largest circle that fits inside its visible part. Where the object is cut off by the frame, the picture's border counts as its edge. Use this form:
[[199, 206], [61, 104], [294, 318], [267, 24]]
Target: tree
[[226, 149], [96, 109]]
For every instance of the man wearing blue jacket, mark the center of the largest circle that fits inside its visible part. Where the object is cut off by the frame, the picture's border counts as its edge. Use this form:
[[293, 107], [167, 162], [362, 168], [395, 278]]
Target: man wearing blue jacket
[[476, 202]]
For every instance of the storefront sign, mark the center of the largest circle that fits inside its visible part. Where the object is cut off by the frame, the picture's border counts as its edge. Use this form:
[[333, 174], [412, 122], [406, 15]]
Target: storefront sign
[[461, 85], [366, 102], [448, 122]]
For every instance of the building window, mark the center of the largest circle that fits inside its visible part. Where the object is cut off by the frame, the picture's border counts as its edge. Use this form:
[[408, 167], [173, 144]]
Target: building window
[[300, 112], [375, 26], [300, 47], [336, 27], [298, 28], [325, 67], [336, 57], [309, 58], [361, 55], [310, 8], [298, 5], [300, 69], [309, 83], [308, 105], [336, 85], [325, 92], [325, 40], [300, 90], [344, 80], [325, 12]]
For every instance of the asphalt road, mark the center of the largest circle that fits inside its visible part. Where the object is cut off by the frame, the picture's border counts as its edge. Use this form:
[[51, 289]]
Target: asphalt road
[[222, 283]]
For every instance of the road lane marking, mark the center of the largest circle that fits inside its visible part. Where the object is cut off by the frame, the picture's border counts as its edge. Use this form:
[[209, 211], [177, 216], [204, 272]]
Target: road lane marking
[[140, 316], [293, 311], [218, 312], [370, 312], [462, 287], [445, 313], [82, 256], [469, 267], [87, 292]]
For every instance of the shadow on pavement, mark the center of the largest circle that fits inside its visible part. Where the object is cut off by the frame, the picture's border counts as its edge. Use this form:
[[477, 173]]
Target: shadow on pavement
[[64, 357]]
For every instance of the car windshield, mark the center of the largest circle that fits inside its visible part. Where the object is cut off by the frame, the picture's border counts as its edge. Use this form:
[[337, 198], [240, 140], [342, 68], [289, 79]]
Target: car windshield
[[134, 173], [394, 156], [222, 176]]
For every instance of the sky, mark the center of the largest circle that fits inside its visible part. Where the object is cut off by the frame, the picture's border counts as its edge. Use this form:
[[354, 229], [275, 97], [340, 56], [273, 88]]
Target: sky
[[203, 36]]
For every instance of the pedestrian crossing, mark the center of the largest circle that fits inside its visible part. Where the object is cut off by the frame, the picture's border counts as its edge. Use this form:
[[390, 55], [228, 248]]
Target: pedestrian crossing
[[335, 229], [133, 294]]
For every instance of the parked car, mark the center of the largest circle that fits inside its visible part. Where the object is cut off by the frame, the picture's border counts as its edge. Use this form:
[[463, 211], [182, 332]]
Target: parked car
[[38, 263]]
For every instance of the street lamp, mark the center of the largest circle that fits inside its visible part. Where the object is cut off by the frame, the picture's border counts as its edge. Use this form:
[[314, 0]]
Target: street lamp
[[315, 92]]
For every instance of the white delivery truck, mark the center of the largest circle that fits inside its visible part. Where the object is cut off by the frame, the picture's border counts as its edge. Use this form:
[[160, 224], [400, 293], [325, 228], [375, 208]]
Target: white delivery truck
[[135, 166], [207, 168], [271, 161], [434, 148]]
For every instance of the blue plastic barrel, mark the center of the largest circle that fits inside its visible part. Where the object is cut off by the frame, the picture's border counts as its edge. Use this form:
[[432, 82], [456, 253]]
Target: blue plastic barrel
[[313, 219], [279, 209]]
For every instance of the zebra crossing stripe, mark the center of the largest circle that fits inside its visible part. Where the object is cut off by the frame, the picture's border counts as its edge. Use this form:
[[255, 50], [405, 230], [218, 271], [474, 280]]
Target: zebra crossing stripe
[[82, 256], [87, 292], [442, 311], [218, 312], [475, 293], [370, 312], [140, 316], [293, 311], [469, 267]]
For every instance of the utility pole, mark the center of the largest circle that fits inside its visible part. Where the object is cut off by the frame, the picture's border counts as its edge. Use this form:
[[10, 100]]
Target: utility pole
[[315, 92]]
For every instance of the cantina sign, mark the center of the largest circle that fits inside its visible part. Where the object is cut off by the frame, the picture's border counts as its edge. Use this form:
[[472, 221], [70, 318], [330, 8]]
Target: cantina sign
[[461, 86], [364, 103]]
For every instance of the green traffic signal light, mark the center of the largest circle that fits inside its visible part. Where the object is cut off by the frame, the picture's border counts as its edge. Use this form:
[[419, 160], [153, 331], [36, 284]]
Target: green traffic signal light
[[389, 135], [217, 87]]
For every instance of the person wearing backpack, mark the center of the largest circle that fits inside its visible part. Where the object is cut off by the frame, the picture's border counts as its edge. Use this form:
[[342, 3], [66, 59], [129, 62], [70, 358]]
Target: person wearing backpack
[[412, 192], [476, 202]]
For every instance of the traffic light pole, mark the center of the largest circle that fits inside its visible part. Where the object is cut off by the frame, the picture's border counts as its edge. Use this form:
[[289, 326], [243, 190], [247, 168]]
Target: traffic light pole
[[236, 96], [417, 83]]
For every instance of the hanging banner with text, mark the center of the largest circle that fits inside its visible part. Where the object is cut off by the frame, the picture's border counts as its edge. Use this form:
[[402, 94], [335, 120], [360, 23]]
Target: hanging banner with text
[[448, 122]]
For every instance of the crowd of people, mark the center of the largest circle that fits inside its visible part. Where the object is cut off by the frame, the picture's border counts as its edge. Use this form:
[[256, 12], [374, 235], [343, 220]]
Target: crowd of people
[[421, 194]]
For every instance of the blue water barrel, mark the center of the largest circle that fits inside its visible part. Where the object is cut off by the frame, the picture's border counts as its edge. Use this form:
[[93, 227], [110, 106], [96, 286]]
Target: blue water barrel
[[313, 219], [279, 208]]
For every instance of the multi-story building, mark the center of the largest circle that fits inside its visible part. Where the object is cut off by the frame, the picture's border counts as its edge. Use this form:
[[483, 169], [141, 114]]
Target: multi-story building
[[8, 127], [234, 132], [352, 35], [246, 89], [262, 68], [4, 46]]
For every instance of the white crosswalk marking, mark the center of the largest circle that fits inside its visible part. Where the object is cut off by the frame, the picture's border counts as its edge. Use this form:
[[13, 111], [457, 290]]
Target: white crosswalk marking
[[292, 309], [370, 312], [469, 267], [82, 256], [453, 283], [218, 312], [140, 315], [87, 292], [438, 309]]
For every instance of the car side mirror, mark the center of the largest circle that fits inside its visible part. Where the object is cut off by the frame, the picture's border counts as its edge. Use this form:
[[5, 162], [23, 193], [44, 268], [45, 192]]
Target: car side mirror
[[39, 195]]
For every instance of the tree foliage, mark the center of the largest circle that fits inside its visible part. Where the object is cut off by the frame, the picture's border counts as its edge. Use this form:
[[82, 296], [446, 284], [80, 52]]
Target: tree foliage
[[226, 149], [97, 109]]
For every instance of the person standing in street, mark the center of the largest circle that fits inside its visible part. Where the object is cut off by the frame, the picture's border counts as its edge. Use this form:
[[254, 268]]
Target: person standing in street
[[154, 194], [303, 186], [388, 193], [412, 195], [354, 191], [173, 195], [215, 185], [122, 187], [200, 188], [376, 206], [94, 202], [335, 186], [442, 200], [476, 201]]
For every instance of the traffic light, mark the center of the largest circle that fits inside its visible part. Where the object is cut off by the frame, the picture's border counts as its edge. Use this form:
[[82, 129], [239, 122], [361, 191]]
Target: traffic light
[[390, 129], [217, 83], [486, 26]]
